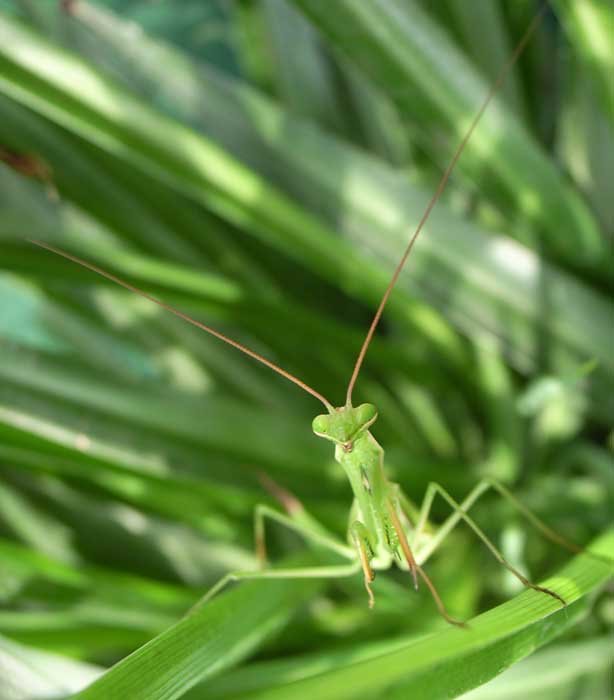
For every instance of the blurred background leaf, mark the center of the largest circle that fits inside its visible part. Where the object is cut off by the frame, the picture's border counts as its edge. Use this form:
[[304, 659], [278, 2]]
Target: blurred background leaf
[[259, 163]]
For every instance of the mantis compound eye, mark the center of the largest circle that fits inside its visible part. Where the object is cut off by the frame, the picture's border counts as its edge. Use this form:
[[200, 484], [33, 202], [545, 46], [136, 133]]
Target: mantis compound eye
[[365, 414], [321, 425]]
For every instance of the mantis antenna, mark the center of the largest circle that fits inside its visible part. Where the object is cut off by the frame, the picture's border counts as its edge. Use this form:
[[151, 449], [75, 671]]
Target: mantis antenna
[[187, 318], [438, 192], [363, 350], [384, 525]]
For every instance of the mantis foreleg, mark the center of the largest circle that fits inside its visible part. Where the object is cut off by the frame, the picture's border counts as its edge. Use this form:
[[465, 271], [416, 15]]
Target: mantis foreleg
[[395, 509], [360, 537]]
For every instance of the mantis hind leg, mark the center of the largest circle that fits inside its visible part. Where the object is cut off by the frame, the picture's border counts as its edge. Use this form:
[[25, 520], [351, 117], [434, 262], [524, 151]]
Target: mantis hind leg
[[313, 533], [460, 513], [341, 571], [296, 519]]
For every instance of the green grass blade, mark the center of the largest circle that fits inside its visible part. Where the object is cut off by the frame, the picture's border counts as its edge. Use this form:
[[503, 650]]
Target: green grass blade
[[441, 665], [485, 37], [28, 674], [400, 48], [590, 25], [130, 445], [294, 231], [211, 639], [498, 286], [561, 672]]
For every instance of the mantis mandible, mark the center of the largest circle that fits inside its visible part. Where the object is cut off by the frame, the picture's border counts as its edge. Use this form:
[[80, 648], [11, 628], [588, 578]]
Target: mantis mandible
[[385, 527]]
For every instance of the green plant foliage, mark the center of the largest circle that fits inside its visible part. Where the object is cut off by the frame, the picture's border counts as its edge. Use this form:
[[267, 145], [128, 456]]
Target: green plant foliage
[[260, 164]]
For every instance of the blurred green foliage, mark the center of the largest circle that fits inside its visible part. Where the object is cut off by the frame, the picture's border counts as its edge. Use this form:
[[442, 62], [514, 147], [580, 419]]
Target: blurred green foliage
[[260, 164]]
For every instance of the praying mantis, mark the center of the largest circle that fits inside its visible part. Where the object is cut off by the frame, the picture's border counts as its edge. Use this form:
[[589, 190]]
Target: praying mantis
[[385, 528]]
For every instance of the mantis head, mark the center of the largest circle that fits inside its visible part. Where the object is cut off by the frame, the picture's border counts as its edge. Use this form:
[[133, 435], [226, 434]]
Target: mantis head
[[344, 424]]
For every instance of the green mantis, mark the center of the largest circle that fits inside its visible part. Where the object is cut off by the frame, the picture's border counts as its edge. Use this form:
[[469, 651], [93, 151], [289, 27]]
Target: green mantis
[[385, 527]]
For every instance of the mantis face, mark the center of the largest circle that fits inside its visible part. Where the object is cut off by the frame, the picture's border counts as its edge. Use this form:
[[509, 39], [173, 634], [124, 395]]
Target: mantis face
[[346, 423]]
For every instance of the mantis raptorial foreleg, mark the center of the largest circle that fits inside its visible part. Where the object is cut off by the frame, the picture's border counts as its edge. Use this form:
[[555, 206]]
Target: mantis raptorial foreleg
[[460, 513], [396, 510], [360, 537]]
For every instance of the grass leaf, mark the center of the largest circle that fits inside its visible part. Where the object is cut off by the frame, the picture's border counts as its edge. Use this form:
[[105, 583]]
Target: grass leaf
[[204, 643], [441, 665]]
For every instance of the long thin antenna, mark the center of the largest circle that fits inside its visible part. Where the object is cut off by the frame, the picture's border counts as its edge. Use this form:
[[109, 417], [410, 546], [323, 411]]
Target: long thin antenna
[[440, 188], [187, 318]]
